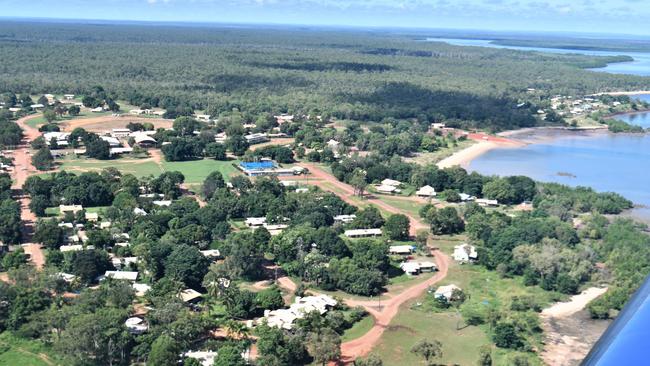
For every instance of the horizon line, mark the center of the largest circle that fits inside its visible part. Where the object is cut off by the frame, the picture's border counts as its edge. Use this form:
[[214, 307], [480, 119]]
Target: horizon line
[[188, 23]]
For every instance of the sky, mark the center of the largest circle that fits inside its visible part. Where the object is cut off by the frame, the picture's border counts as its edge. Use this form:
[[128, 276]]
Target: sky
[[587, 16]]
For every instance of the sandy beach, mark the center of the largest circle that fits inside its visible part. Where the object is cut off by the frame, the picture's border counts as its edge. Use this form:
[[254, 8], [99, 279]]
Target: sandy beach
[[464, 157], [569, 331], [577, 303]]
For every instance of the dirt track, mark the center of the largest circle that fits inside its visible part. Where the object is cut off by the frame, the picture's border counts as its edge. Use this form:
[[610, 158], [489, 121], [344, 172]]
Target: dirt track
[[362, 346], [23, 160]]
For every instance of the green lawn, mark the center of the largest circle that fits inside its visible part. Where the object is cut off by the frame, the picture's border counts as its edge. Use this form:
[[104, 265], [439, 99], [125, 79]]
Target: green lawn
[[409, 326], [409, 207], [15, 351], [358, 329], [196, 171]]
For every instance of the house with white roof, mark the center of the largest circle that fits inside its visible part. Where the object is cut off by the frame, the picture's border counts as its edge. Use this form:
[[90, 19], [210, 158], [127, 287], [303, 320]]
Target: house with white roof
[[412, 268], [122, 275], [112, 141], [465, 253], [256, 138], [91, 216], [446, 291], [70, 208], [284, 318], [139, 212], [211, 253], [426, 191], [400, 249], [255, 221], [466, 197], [344, 218], [190, 296], [136, 325], [391, 182], [486, 202], [120, 263], [383, 188], [362, 233]]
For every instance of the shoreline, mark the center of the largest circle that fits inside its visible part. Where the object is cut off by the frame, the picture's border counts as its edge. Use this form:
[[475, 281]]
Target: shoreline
[[464, 157], [564, 323]]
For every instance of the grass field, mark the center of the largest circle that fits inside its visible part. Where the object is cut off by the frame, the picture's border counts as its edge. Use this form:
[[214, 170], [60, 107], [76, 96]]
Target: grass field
[[410, 207], [409, 326], [18, 352], [196, 171]]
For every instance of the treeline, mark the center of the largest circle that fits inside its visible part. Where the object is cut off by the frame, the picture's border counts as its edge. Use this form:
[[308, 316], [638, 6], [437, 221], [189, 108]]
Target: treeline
[[10, 223], [335, 73], [10, 132], [625, 249]]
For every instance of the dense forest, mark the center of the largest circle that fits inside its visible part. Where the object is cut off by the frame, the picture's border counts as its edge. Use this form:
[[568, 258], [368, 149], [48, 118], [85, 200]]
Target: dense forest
[[349, 75]]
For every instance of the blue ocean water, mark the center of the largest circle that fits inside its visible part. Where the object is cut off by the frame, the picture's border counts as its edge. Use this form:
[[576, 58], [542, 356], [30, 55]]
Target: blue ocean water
[[601, 160]]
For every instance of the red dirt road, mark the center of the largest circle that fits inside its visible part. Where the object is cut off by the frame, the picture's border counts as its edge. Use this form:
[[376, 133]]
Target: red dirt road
[[362, 346], [23, 168]]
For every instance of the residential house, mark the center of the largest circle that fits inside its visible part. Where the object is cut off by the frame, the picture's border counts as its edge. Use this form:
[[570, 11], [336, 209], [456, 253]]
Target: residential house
[[465, 253], [486, 202], [362, 233], [284, 318], [122, 275], [426, 191], [345, 219], [446, 291], [136, 325], [92, 216], [256, 138], [63, 209], [400, 249], [190, 296]]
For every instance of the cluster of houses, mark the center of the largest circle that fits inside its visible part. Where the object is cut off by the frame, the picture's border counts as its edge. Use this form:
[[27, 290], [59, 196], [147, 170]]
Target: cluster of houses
[[118, 140], [567, 106], [51, 100]]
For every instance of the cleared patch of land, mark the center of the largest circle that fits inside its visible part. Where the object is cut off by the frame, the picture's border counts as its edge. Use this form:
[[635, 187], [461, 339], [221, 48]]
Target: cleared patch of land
[[107, 123], [436, 156]]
